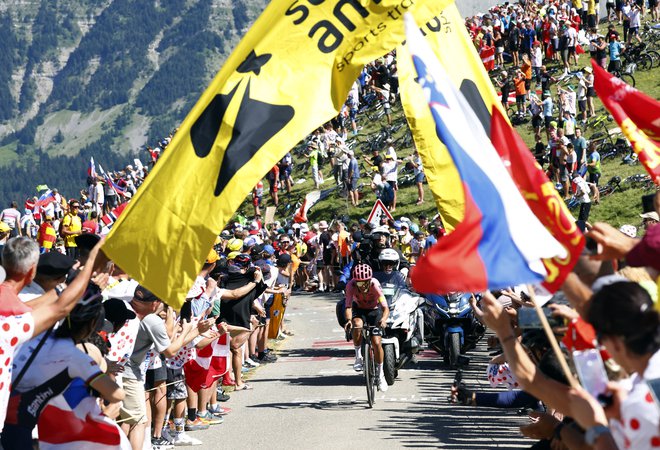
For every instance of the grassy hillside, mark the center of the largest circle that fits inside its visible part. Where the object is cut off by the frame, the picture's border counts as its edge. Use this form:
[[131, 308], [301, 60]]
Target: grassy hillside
[[622, 207]]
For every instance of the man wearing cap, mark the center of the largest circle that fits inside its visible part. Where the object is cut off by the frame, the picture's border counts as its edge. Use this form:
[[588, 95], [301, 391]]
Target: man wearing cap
[[52, 270], [72, 227], [649, 219], [152, 331], [236, 312]]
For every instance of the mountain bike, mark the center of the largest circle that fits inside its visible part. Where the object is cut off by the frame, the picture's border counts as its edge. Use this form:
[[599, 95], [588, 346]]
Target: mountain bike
[[370, 375]]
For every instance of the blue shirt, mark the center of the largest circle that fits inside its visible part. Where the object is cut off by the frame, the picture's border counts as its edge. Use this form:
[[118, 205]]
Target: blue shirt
[[547, 107], [615, 50]]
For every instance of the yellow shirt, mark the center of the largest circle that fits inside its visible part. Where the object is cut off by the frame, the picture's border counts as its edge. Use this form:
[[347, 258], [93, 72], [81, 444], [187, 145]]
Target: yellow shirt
[[74, 224]]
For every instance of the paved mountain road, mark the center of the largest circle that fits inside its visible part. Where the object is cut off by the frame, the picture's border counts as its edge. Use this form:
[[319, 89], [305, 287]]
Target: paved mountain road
[[312, 398]]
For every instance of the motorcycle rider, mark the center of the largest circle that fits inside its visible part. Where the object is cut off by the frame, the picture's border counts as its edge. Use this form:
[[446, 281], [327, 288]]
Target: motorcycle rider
[[379, 239], [365, 302], [389, 273]]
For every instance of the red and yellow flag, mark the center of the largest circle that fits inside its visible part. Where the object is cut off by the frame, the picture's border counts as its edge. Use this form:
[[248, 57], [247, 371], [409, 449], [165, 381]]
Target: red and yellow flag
[[637, 114], [542, 198]]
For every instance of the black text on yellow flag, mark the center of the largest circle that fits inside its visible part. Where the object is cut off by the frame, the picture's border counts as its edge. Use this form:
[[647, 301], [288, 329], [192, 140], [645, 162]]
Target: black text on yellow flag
[[290, 73]]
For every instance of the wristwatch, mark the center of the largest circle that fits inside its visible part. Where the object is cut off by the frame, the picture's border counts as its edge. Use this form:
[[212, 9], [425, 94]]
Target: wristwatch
[[593, 433], [59, 288]]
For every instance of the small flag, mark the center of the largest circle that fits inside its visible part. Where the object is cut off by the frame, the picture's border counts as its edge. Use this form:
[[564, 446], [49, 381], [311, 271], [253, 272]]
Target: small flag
[[42, 187], [210, 363], [91, 169], [487, 55]]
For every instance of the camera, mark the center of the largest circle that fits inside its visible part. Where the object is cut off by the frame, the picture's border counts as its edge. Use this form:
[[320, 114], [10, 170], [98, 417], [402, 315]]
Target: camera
[[529, 319]]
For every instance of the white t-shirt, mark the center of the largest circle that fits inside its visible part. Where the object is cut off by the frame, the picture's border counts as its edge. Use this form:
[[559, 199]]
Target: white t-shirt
[[15, 330], [123, 341], [390, 170], [583, 190]]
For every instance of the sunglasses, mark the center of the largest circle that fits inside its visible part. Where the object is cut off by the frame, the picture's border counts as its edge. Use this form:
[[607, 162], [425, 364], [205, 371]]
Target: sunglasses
[[363, 284], [75, 206]]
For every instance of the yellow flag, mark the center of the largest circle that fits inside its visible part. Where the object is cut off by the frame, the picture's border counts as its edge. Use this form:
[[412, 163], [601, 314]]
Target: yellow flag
[[452, 45], [291, 72]]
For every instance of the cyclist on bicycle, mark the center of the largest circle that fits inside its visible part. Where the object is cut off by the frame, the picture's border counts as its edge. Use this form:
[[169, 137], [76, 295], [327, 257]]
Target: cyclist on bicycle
[[365, 303]]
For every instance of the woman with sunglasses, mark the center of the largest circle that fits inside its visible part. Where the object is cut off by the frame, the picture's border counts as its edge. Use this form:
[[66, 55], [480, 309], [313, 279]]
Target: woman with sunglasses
[[365, 303]]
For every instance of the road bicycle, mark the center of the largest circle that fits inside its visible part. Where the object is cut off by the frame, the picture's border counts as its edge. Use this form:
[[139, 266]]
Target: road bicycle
[[370, 373]]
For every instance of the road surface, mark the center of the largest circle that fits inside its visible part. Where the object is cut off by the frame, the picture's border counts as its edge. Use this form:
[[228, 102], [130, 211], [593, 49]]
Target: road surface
[[312, 399]]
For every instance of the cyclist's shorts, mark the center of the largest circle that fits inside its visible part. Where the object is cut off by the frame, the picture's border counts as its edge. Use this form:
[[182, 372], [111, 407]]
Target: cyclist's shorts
[[369, 316]]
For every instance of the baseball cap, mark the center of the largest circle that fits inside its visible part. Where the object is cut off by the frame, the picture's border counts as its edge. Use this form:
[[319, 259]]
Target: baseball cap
[[117, 312], [87, 241], [269, 249], [144, 295], [4, 227], [650, 215], [54, 264], [388, 156], [283, 260]]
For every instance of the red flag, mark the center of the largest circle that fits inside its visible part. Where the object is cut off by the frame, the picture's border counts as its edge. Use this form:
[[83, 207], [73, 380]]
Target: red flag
[[211, 363], [487, 55], [637, 114], [542, 198]]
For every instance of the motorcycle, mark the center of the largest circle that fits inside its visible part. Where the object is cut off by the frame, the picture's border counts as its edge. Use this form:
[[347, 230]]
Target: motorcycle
[[403, 336], [452, 329]]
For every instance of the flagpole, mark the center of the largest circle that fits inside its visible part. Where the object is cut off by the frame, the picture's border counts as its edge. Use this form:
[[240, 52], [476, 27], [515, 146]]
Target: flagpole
[[553, 341]]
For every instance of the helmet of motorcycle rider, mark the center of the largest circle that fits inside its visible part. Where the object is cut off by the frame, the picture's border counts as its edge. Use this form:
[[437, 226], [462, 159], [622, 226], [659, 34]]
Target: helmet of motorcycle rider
[[362, 272], [389, 255], [380, 236]]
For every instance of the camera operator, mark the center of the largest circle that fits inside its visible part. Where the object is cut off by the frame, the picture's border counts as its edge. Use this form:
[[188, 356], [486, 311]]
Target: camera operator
[[371, 246]]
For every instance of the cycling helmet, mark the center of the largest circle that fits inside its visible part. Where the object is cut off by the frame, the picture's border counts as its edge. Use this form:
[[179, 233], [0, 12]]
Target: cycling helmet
[[383, 229], [89, 307], [389, 254], [362, 272]]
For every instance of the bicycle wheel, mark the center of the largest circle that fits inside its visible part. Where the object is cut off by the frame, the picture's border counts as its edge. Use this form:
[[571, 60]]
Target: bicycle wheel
[[628, 79], [644, 62], [368, 375], [655, 56]]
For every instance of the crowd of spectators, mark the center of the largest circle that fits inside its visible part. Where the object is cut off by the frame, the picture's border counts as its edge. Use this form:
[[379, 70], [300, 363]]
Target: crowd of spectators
[[134, 351]]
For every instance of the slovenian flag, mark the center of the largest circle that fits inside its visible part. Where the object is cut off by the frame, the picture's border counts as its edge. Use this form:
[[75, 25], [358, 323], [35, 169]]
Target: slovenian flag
[[499, 242], [108, 179], [45, 198], [91, 170]]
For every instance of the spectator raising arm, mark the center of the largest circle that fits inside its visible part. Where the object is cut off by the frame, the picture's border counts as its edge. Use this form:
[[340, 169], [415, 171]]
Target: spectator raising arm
[[58, 305]]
